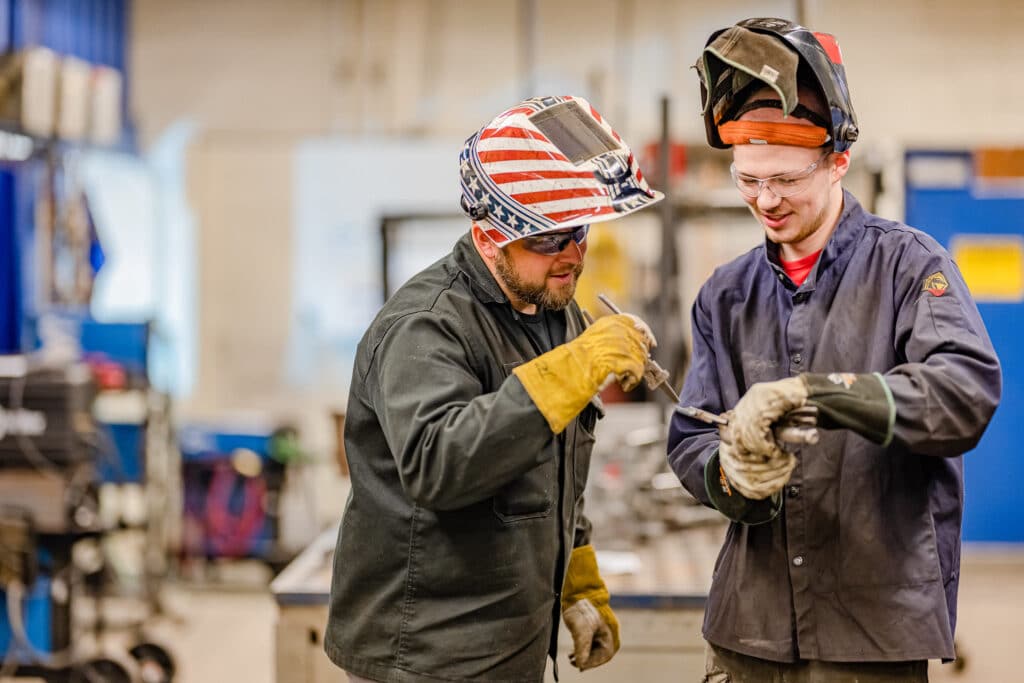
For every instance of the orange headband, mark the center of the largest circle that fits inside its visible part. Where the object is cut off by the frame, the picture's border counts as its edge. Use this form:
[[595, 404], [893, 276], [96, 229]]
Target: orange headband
[[764, 133]]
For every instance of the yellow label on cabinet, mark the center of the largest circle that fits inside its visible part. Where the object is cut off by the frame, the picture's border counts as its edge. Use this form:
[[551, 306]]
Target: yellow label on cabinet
[[992, 265]]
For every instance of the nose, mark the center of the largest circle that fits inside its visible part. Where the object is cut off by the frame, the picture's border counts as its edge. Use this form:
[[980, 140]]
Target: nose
[[574, 252], [766, 199]]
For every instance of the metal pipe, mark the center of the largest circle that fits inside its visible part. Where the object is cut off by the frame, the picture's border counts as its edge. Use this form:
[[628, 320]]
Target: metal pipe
[[667, 266]]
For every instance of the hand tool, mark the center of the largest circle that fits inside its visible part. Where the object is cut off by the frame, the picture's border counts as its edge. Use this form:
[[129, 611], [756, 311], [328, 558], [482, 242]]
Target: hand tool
[[655, 376], [798, 427]]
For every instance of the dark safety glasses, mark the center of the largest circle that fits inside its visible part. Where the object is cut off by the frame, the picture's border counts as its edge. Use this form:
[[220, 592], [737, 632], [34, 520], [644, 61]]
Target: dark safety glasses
[[552, 243]]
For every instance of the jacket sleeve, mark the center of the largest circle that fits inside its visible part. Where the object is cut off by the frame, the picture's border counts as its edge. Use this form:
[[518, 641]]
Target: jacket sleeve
[[950, 383], [581, 534], [454, 445], [691, 443]]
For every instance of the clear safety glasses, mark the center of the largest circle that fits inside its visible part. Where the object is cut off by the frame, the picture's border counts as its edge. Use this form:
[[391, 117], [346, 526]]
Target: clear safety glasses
[[781, 185], [553, 243]]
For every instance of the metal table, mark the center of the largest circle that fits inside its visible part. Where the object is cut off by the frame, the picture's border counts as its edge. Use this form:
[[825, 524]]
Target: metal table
[[658, 594]]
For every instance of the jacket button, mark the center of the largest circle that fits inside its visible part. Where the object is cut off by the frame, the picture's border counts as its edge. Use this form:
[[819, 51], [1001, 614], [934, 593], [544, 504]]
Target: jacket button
[[798, 561], [793, 491], [800, 297], [797, 359]]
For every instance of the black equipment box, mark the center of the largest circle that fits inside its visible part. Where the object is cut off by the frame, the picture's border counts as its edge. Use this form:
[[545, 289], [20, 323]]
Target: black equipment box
[[46, 418]]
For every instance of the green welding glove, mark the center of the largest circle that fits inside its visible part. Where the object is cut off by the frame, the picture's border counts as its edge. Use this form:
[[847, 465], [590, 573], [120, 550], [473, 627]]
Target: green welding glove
[[862, 403], [733, 504], [586, 612], [562, 381]]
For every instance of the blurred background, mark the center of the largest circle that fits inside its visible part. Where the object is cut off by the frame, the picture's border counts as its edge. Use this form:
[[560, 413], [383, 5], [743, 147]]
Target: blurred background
[[203, 205]]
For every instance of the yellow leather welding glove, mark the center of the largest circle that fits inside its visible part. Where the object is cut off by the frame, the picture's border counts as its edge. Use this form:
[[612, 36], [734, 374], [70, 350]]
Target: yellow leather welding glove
[[562, 381], [586, 612]]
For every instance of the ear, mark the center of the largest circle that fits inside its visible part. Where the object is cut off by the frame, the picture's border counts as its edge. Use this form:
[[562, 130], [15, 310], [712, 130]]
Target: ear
[[840, 165], [484, 245]]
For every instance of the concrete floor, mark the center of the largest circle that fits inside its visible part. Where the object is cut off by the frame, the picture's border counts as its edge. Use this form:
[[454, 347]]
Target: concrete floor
[[227, 635], [989, 633]]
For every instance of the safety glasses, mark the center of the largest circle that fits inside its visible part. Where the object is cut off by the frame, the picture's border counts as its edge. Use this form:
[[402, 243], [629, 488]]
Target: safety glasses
[[781, 185], [552, 243]]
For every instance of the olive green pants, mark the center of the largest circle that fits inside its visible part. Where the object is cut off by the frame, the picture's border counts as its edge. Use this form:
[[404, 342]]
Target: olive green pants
[[726, 666]]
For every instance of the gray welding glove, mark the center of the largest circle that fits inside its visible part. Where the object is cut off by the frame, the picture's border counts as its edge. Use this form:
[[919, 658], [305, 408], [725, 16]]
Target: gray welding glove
[[750, 424], [756, 475]]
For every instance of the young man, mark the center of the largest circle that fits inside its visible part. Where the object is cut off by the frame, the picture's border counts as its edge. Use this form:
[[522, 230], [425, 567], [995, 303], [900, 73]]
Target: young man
[[470, 422], [843, 557]]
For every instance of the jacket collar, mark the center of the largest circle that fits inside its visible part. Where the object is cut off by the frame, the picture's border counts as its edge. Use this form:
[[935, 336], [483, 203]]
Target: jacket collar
[[848, 230], [469, 262]]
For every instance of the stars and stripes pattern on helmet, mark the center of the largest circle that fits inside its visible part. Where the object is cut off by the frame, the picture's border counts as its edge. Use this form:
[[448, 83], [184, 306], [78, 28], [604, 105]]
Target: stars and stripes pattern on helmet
[[517, 180]]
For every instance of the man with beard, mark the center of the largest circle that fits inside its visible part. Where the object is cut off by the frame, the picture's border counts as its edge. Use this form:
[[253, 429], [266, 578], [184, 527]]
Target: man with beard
[[471, 417], [843, 558]]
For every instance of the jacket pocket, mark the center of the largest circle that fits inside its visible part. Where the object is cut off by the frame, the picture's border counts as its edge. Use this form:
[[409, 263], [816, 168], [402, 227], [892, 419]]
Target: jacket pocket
[[530, 496]]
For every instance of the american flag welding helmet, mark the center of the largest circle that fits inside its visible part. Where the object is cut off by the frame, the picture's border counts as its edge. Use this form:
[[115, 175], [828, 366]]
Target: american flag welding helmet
[[549, 163]]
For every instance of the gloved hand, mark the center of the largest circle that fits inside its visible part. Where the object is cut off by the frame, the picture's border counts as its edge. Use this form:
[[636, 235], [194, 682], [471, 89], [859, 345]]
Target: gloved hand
[[750, 426], [562, 381], [587, 615], [755, 475], [862, 403]]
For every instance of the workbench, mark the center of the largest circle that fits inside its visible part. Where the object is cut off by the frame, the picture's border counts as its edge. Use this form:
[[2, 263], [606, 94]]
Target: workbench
[[658, 593]]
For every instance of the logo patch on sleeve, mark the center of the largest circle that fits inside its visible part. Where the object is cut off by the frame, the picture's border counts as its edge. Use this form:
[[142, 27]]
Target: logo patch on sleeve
[[846, 379], [936, 284]]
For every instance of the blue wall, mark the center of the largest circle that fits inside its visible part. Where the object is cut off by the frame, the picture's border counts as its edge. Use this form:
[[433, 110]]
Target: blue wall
[[993, 470]]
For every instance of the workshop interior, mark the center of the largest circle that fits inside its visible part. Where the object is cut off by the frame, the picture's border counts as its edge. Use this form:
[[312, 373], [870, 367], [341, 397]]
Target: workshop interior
[[203, 205]]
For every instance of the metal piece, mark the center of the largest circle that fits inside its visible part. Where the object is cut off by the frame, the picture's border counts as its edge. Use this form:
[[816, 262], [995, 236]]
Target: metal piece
[[702, 415], [797, 427], [655, 376]]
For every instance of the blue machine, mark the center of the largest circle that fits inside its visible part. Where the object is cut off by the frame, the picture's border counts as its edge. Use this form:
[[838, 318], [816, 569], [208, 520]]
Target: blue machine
[[93, 30], [227, 513], [980, 219], [127, 346], [96, 31], [38, 620]]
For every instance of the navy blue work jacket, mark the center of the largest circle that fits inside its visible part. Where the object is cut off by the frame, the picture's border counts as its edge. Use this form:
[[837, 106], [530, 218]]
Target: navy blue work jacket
[[864, 560]]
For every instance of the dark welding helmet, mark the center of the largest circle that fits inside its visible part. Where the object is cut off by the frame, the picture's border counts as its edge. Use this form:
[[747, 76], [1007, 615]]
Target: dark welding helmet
[[779, 54]]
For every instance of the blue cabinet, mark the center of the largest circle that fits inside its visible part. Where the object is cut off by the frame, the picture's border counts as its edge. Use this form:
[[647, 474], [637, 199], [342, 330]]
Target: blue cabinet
[[979, 217]]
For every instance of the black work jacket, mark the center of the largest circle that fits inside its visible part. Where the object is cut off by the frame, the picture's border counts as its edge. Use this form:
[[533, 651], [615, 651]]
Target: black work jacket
[[463, 511], [863, 562]]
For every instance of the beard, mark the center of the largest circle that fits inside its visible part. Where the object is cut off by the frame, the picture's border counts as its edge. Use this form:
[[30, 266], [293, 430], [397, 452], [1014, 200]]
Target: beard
[[538, 294]]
